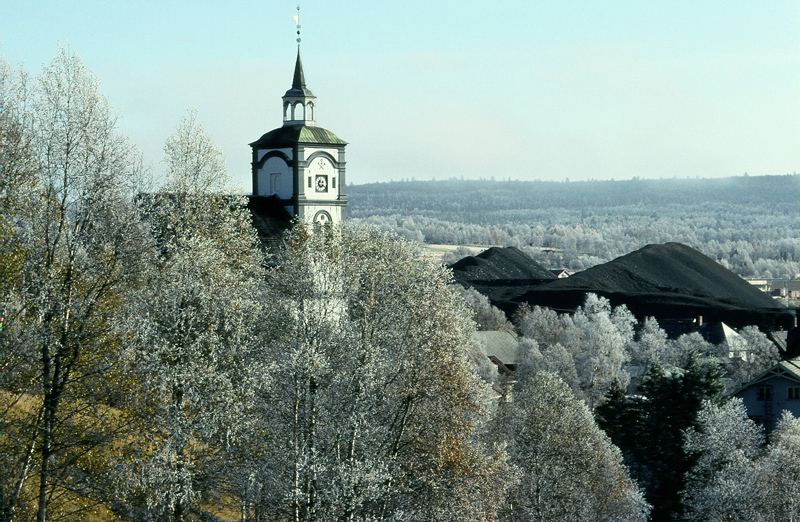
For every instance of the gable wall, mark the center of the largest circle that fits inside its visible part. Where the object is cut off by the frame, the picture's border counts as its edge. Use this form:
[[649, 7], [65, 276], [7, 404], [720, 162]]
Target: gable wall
[[768, 412]]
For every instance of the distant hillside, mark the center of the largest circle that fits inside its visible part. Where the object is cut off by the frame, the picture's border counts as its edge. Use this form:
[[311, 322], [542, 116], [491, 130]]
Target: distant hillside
[[749, 224], [479, 201]]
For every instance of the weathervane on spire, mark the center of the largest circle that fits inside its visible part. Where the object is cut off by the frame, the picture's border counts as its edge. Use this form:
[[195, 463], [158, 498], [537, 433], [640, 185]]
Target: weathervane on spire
[[297, 21]]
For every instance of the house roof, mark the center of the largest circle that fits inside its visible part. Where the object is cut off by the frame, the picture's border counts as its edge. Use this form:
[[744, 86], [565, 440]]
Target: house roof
[[500, 344], [779, 338], [289, 135], [789, 369], [729, 333], [715, 332], [502, 368]]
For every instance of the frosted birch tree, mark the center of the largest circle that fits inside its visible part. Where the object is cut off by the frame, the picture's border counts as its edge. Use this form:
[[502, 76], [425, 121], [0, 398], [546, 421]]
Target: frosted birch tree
[[721, 484], [735, 477], [597, 337], [197, 317], [375, 402], [485, 314], [71, 247], [570, 470], [554, 359], [604, 336], [778, 480], [653, 348], [754, 354]]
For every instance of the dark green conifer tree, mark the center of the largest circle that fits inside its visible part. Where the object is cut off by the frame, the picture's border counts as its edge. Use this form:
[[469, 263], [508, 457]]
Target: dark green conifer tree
[[649, 429]]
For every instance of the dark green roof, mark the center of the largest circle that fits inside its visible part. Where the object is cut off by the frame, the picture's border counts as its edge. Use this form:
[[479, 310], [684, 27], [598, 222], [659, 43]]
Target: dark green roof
[[288, 135]]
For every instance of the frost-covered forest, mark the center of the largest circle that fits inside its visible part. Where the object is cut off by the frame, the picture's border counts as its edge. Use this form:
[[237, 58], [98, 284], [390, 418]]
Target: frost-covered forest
[[656, 398], [158, 364], [750, 224]]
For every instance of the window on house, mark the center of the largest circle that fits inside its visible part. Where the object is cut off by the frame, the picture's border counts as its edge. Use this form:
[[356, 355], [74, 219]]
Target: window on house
[[765, 393], [794, 393]]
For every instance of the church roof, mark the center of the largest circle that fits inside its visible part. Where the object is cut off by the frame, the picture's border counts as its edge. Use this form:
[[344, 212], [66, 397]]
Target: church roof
[[270, 217], [290, 134]]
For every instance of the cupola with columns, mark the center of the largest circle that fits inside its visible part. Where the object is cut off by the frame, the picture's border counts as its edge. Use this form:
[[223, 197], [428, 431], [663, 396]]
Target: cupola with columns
[[299, 102]]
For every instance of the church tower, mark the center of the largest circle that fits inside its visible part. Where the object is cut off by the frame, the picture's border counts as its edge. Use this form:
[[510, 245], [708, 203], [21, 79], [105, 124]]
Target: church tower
[[300, 163]]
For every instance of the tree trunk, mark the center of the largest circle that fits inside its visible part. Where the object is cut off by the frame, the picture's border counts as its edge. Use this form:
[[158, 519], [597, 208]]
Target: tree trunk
[[11, 507], [311, 486], [49, 413], [395, 450], [297, 434], [178, 509]]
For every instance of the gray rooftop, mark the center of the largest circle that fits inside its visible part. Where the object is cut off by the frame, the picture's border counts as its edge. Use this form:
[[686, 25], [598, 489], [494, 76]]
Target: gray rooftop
[[500, 343]]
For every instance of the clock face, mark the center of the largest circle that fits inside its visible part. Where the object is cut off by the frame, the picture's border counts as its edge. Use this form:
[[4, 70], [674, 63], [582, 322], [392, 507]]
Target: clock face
[[322, 184]]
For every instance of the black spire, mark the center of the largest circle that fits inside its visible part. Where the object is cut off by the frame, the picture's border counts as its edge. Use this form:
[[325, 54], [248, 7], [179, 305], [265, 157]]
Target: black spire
[[299, 81]]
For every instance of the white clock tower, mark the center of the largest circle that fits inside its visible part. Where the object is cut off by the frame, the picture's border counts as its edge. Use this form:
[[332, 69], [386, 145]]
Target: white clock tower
[[300, 163]]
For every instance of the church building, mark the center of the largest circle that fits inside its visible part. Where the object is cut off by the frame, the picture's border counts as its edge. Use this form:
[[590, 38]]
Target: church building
[[299, 164]]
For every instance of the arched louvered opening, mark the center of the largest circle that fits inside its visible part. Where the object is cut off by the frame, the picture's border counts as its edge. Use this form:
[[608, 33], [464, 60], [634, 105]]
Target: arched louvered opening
[[299, 111]]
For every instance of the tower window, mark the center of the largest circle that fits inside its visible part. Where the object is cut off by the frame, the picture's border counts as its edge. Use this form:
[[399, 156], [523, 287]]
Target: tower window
[[333, 182], [274, 182], [309, 182]]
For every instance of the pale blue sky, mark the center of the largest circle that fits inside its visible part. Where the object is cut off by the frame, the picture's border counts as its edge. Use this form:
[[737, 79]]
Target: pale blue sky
[[514, 89]]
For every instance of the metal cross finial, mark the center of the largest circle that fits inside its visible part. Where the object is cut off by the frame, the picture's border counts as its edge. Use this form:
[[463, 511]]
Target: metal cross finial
[[297, 21]]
